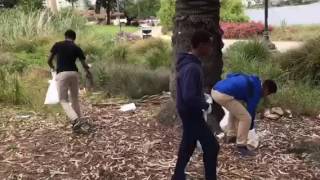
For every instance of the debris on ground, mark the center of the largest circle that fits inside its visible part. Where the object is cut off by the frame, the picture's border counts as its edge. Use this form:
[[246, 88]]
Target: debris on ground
[[136, 146]]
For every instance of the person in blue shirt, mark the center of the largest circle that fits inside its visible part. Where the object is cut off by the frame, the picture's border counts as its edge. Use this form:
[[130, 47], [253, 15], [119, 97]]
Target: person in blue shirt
[[190, 106], [233, 90]]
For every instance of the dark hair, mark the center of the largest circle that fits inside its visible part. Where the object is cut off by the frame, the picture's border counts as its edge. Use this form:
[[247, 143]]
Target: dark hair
[[200, 36], [70, 34], [271, 86]]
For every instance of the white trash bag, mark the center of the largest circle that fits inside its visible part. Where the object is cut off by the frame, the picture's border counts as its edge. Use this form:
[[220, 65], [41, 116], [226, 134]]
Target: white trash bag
[[52, 96], [253, 138]]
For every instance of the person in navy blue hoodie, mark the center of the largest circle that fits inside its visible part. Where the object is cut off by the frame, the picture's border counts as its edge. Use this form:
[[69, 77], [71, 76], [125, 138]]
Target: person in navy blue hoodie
[[233, 90], [190, 105]]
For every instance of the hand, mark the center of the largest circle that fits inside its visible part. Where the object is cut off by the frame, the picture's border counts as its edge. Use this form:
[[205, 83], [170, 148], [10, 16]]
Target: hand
[[89, 75], [208, 98], [209, 110]]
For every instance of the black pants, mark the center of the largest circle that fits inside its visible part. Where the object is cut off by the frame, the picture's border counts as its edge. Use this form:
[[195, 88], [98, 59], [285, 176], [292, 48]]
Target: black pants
[[195, 128]]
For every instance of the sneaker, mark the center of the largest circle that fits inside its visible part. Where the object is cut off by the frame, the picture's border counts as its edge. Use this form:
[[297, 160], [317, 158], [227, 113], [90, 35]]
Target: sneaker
[[231, 139], [81, 126], [245, 152]]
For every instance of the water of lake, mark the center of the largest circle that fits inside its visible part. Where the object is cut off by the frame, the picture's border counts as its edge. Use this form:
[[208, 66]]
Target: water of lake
[[291, 15]]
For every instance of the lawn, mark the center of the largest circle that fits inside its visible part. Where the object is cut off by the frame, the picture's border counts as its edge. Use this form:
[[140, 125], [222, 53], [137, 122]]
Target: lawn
[[110, 30]]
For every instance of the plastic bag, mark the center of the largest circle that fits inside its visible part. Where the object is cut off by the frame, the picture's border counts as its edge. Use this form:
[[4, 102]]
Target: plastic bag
[[52, 96], [253, 138]]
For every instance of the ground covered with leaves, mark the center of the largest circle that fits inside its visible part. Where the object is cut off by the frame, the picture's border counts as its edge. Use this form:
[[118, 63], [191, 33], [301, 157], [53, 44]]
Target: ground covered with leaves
[[136, 146]]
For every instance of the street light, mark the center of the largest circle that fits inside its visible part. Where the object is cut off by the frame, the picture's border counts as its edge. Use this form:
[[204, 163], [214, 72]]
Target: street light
[[266, 36], [266, 25]]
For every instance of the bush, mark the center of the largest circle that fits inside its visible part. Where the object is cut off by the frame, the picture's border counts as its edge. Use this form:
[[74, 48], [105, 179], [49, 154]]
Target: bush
[[153, 53], [300, 97], [11, 91], [166, 13], [233, 11], [130, 80], [17, 24], [303, 64], [251, 57], [11, 64], [30, 5], [242, 30], [156, 52]]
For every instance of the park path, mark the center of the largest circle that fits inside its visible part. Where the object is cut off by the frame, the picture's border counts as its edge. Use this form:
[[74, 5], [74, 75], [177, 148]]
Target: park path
[[282, 46], [136, 146]]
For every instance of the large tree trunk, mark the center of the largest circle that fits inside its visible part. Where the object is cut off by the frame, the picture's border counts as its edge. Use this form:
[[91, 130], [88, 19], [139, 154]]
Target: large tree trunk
[[53, 5], [98, 6], [192, 15], [108, 11]]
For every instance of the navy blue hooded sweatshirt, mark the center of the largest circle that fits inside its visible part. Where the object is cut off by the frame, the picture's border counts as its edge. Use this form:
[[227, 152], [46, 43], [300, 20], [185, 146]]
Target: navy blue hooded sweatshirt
[[190, 97]]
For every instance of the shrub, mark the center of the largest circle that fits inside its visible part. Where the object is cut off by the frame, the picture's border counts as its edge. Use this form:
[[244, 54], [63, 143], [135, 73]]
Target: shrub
[[303, 64], [242, 30], [17, 24], [300, 97], [233, 11], [156, 52], [251, 57], [11, 91], [130, 80], [166, 13], [11, 64], [153, 53]]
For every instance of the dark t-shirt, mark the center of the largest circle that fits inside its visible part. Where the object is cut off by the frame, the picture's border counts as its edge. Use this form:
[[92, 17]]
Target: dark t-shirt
[[67, 53]]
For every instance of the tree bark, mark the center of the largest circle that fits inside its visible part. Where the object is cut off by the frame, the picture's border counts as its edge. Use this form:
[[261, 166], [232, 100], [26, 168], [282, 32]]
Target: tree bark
[[108, 11], [53, 5], [193, 15], [98, 6]]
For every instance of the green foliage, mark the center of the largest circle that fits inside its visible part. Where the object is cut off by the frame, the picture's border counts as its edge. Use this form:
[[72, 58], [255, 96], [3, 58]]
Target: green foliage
[[233, 11], [251, 57], [11, 64], [17, 24], [11, 91], [30, 5], [167, 13], [303, 64], [133, 81], [142, 8], [9, 3], [156, 52], [299, 96]]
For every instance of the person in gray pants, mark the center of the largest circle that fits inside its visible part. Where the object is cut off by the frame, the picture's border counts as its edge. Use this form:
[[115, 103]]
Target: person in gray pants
[[66, 53]]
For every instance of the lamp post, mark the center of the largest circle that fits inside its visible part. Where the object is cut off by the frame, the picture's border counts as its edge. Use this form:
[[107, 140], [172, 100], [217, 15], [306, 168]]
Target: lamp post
[[266, 25], [266, 36], [119, 14]]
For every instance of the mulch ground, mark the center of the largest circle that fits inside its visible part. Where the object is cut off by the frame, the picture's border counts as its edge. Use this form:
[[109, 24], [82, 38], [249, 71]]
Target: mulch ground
[[135, 146]]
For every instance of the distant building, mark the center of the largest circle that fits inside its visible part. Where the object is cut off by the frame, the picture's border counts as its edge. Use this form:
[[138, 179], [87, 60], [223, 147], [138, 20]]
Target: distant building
[[60, 4]]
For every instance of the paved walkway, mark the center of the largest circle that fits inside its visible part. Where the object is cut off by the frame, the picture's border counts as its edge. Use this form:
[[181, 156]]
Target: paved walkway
[[282, 46]]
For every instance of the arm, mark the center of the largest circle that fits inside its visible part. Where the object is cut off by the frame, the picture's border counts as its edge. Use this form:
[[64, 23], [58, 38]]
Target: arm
[[252, 105], [53, 52], [191, 90], [50, 60], [82, 58]]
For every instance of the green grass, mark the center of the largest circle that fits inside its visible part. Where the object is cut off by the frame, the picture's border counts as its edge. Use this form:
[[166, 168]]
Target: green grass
[[295, 33], [102, 30]]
